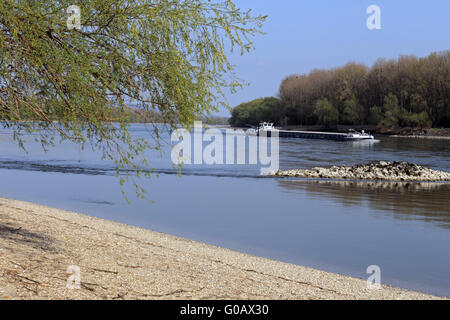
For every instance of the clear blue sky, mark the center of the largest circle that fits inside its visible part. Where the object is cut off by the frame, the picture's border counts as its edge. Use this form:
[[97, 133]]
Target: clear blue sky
[[302, 35]]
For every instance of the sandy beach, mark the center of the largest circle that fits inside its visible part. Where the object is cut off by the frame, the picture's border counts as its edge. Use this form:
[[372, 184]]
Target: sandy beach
[[38, 244]]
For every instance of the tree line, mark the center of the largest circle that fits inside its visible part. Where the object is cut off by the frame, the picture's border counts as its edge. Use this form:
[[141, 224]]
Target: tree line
[[403, 92]]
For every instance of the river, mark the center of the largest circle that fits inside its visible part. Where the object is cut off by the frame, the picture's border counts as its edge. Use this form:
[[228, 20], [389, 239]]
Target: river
[[336, 226]]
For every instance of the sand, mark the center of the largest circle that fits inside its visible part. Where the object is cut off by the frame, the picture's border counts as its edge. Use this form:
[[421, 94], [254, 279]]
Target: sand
[[38, 244]]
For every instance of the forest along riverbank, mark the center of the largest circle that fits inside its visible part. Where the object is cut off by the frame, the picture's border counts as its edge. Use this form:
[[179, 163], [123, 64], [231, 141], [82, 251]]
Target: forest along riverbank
[[38, 244], [382, 170]]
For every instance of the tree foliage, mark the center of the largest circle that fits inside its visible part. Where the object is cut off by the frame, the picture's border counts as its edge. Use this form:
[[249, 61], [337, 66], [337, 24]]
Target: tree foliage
[[397, 116], [254, 112], [165, 56], [353, 112], [326, 113], [421, 87]]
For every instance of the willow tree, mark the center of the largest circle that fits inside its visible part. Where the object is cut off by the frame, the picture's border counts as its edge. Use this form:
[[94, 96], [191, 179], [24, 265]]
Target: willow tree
[[164, 57]]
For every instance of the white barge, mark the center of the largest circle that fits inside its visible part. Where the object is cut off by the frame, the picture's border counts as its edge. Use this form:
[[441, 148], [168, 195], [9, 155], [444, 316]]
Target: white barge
[[352, 135]]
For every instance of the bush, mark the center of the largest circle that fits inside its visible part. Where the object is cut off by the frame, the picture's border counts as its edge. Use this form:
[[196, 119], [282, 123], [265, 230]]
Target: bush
[[326, 113], [421, 120], [256, 111], [375, 115], [395, 115], [398, 116], [353, 112]]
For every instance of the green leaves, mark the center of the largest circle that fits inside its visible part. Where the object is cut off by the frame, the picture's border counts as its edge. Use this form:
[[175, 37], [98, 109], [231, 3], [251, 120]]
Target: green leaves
[[255, 112], [162, 57], [326, 113]]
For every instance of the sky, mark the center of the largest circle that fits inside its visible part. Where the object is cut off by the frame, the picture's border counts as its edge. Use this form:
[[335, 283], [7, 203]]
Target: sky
[[301, 35]]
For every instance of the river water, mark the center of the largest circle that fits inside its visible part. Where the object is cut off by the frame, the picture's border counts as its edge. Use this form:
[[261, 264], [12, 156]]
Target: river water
[[337, 226]]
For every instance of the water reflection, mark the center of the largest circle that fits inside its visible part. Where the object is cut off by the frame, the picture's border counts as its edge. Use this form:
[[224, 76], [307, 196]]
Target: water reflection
[[425, 201]]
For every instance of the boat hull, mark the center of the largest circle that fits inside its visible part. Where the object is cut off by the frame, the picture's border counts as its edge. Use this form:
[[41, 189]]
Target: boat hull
[[359, 138]]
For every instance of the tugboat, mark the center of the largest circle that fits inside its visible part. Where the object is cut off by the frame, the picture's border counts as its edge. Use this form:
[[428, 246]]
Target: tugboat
[[266, 126], [263, 126], [354, 135]]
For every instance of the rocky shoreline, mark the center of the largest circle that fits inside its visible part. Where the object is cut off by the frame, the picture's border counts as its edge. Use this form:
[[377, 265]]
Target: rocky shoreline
[[382, 170]]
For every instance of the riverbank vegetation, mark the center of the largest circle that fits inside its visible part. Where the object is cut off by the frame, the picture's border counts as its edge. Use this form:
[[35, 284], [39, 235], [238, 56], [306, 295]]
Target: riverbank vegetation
[[403, 92], [120, 64]]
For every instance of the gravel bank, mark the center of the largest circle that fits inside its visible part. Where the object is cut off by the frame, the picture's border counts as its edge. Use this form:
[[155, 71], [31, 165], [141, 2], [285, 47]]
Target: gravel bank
[[383, 170], [38, 244]]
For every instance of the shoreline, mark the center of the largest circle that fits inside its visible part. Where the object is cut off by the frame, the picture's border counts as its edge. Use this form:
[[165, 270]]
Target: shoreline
[[420, 137], [117, 261], [436, 135]]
